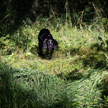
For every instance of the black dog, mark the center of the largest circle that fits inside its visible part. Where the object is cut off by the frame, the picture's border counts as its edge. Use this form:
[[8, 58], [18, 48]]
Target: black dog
[[47, 42]]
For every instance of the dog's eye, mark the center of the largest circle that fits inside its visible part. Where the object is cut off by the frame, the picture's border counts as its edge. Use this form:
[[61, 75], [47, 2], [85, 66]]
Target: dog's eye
[[50, 41]]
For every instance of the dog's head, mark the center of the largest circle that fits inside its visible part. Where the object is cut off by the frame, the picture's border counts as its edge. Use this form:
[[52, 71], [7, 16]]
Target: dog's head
[[50, 44]]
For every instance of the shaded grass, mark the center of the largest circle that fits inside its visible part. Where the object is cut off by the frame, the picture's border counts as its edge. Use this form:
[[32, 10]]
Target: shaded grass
[[28, 88], [33, 89]]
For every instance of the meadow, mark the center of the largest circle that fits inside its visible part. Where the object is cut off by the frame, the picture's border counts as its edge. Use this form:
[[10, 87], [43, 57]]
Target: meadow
[[75, 77]]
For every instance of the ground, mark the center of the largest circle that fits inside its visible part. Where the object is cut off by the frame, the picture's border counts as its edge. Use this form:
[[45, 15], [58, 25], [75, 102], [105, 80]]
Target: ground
[[74, 77]]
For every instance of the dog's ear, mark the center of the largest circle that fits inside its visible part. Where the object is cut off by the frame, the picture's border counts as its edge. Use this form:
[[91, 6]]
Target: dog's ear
[[55, 44], [45, 43]]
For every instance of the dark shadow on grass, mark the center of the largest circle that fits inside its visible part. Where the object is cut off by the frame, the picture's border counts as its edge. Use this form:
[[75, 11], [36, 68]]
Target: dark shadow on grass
[[93, 57], [30, 89], [104, 89], [73, 75], [6, 92], [95, 62], [96, 57]]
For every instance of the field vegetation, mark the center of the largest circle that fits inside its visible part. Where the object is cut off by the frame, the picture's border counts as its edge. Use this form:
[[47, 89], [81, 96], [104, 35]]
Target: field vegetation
[[75, 77]]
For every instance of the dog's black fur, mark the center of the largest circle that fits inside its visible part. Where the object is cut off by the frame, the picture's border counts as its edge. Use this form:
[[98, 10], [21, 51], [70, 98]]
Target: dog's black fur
[[47, 42]]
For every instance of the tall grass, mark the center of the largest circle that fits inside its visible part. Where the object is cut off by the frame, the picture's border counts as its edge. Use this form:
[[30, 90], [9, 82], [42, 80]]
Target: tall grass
[[31, 88], [75, 77]]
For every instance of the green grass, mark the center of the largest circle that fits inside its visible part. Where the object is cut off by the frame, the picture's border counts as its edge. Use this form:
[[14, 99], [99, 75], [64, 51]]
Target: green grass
[[75, 77]]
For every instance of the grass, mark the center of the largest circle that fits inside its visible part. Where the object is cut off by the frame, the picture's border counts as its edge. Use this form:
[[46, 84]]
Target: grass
[[75, 77]]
